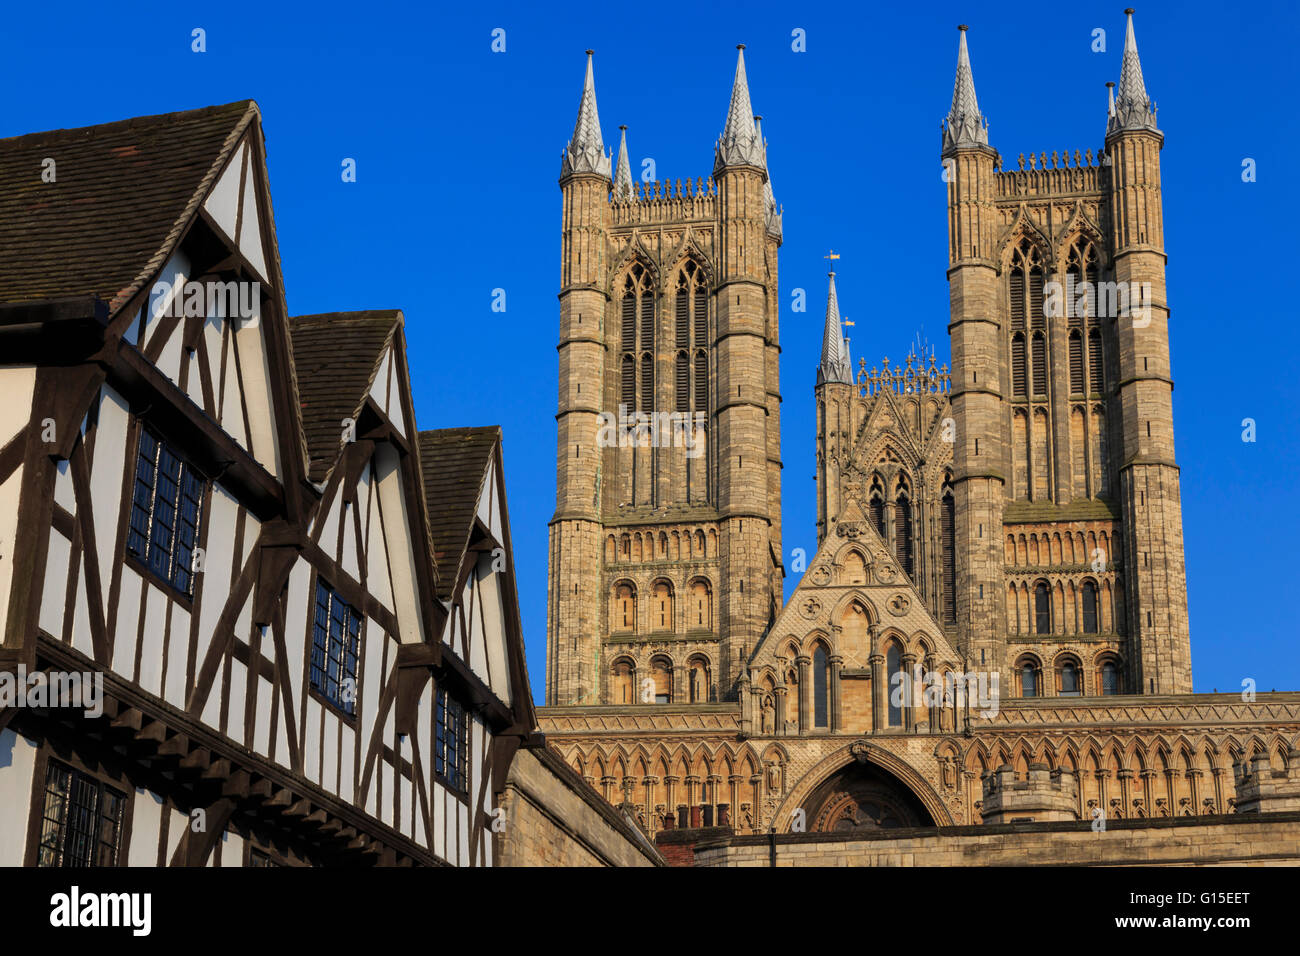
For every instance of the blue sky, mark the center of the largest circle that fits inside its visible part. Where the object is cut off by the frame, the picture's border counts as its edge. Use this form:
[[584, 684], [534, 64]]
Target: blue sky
[[458, 148]]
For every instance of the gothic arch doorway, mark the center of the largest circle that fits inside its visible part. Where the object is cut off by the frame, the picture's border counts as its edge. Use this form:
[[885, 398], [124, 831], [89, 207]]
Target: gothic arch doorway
[[863, 797]]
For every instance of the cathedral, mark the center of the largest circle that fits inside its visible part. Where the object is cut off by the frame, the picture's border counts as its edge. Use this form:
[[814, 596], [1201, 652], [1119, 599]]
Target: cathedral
[[993, 631]]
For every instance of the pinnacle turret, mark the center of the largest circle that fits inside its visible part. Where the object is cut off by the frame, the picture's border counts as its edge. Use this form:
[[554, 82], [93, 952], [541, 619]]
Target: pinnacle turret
[[771, 212], [835, 351], [965, 125], [586, 151], [1133, 108], [740, 144], [623, 170]]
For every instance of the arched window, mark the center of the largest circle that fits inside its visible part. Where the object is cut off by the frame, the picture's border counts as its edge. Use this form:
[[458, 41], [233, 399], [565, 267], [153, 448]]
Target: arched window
[[894, 685], [701, 608], [661, 672], [1030, 677], [637, 301], [1089, 607], [821, 683], [948, 546], [661, 608], [1068, 683], [1109, 678], [692, 337], [1042, 608], [903, 546], [876, 506], [1025, 309], [855, 569], [622, 683], [699, 680], [623, 613]]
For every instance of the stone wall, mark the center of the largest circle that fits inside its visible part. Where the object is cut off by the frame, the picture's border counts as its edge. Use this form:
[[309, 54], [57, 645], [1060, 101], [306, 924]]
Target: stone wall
[[1268, 839], [553, 818]]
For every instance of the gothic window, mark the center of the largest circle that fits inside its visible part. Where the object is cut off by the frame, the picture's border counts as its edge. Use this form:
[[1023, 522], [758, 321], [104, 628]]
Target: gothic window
[[701, 381], [876, 506], [821, 682], [1109, 678], [1025, 309], [622, 684], [623, 613], [637, 301], [1018, 365], [1076, 362], [1096, 375], [661, 608], [1068, 683], [855, 569], [661, 672], [701, 612], [894, 685], [1083, 268], [692, 338], [1042, 608], [1030, 677], [903, 544], [1040, 363], [948, 546], [1089, 607]]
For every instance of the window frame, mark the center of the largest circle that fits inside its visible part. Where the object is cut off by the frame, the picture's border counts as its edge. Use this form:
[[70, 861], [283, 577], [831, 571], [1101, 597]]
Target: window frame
[[186, 474], [103, 780], [346, 710], [446, 704]]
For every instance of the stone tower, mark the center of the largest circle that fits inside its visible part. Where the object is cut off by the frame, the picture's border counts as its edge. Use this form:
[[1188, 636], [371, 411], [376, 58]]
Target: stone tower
[[1068, 523], [665, 547]]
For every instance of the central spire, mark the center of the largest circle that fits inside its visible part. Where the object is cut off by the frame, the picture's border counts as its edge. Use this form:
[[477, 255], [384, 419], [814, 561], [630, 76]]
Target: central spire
[[965, 125], [586, 152], [835, 351], [740, 144], [1133, 108]]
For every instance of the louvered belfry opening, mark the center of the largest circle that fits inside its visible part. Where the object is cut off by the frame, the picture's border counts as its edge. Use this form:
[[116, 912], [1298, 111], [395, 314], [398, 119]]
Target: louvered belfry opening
[[637, 327]]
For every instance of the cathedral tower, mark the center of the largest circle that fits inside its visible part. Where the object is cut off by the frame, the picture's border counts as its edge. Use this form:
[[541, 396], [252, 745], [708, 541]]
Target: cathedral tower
[[665, 550], [1068, 524]]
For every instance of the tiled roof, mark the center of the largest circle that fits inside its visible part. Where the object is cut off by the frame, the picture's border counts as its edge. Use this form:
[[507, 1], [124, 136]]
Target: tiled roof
[[453, 462], [335, 357], [121, 195]]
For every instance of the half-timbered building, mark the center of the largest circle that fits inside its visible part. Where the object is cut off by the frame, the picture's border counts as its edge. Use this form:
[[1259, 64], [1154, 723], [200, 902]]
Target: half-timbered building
[[290, 615]]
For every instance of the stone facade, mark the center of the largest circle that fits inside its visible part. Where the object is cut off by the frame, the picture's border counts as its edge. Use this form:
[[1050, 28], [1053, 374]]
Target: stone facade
[[552, 818], [999, 577]]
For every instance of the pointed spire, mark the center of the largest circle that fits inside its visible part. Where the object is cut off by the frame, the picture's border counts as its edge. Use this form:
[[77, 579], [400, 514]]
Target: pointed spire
[[586, 152], [1133, 108], [965, 125], [739, 144], [1110, 96], [771, 211], [835, 351], [623, 171]]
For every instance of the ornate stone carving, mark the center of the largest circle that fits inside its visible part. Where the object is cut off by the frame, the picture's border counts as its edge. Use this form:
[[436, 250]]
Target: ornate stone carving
[[821, 575], [899, 605], [810, 608]]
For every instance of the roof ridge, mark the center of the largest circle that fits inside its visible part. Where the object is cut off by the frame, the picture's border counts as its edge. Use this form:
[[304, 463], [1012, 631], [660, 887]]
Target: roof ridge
[[132, 121]]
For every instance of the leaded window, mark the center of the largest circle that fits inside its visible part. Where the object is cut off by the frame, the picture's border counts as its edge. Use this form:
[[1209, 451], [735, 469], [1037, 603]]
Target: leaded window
[[335, 648], [166, 504], [81, 820], [451, 742]]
